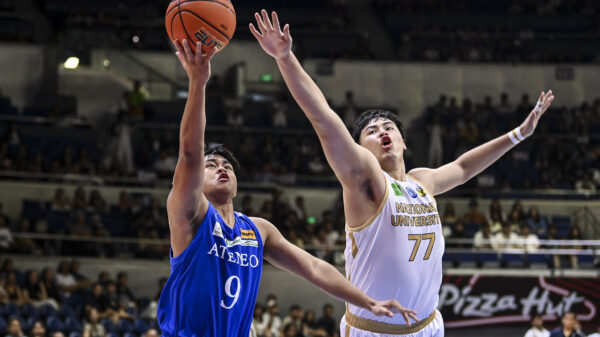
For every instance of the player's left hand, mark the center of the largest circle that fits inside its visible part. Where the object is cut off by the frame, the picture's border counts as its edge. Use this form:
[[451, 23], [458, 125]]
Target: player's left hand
[[391, 307], [531, 121]]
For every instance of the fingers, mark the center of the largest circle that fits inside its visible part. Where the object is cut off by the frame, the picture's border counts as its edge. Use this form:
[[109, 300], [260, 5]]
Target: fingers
[[255, 32], [276, 22], [286, 32], [405, 315], [266, 19], [260, 23], [178, 46], [180, 57], [199, 55], [187, 50], [414, 317], [210, 54]]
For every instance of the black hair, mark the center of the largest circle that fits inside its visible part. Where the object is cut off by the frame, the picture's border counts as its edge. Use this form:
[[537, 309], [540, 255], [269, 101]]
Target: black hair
[[369, 115], [219, 149], [569, 312]]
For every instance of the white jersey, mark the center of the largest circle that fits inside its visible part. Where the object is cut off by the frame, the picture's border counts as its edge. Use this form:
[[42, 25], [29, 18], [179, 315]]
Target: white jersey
[[397, 254]]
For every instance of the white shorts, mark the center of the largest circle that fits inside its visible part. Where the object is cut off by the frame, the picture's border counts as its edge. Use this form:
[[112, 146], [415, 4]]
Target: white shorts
[[433, 329]]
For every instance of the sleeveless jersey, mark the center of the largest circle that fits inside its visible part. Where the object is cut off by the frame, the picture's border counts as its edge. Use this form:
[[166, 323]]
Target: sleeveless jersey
[[397, 254], [213, 285]]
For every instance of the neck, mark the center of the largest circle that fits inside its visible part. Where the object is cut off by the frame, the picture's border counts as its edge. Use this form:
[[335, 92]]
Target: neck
[[567, 332], [396, 170], [225, 209]]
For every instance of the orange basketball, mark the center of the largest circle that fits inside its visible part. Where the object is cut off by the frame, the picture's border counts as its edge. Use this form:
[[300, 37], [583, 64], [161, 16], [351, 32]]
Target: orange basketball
[[212, 22]]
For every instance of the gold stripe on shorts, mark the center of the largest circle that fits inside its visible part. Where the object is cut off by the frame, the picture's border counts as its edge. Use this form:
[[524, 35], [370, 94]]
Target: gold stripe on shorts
[[385, 328]]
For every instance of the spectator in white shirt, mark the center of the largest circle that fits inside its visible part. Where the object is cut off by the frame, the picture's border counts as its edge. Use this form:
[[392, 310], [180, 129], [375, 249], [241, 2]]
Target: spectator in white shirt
[[505, 239], [537, 328], [482, 237], [532, 242], [6, 238], [65, 281], [596, 334], [272, 319]]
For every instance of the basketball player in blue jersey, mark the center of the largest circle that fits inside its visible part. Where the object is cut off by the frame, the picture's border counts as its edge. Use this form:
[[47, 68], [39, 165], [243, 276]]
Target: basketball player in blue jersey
[[394, 242], [217, 253]]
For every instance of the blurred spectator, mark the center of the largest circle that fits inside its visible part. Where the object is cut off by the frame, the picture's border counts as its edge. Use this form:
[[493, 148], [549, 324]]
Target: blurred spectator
[[585, 185], [596, 334], [123, 292], [97, 203], [279, 112], [574, 234], [38, 329], [96, 300], [473, 216], [449, 218], [532, 242], [60, 202], [514, 221], [113, 304], [568, 324], [495, 222], [496, 208], [58, 334], [14, 328], [505, 239], [92, 327], [300, 208], [3, 215], [537, 328], [25, 245], [12, 289], [536, 222], [34, 291], [78, 203], [104, 278], [517, 207], [271, 319], [165, 165], [436, 153], [294, 318], [65, 281], [124, 148], [235, 118], [151, 311], [6, 239], [290, 330], [349, 110], [327, 322], [258, 321], [135, 100], [81, 280], [151, 333], [505, 108], [310, 327], [246, 206], [48, 280], [483, 237]]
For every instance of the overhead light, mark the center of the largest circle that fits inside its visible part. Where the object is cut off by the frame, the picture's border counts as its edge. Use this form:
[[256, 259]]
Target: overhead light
[[135, 39], [106, 63], [72, 62], [266, 78]]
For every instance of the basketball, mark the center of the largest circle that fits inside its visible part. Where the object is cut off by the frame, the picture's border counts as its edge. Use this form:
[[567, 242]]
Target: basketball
[[211, 22]]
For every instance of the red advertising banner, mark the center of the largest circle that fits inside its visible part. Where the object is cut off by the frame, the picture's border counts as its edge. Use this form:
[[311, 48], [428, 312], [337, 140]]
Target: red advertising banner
[[477, 300]]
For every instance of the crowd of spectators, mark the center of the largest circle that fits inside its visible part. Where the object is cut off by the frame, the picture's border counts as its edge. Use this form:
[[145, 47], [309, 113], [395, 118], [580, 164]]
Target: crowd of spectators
[[267, 321], [564, 135], [64, 302]]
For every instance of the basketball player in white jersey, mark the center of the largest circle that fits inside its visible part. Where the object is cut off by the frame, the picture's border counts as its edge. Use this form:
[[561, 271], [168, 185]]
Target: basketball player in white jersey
[[394, 239]]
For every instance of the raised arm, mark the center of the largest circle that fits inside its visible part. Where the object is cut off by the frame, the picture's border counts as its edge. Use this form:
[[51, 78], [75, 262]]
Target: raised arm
[[348, 160], [471, 163], [285, 255], [186, 201]]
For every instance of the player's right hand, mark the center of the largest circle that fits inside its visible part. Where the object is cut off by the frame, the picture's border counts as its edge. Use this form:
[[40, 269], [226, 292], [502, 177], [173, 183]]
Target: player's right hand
[[272, 39], [195, 65], [391, 307]]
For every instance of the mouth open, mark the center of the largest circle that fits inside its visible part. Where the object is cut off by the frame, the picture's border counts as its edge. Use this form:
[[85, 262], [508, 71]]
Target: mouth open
[[386, 142], [223, 177]]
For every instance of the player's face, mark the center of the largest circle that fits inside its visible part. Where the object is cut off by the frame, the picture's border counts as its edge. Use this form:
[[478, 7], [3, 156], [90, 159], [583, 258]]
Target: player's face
[[219, 176], [382, 137], [568, 321]]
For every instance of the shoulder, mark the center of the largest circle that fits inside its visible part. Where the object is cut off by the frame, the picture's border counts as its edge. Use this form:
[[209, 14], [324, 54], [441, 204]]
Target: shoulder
[[264, 227], [424, 176]]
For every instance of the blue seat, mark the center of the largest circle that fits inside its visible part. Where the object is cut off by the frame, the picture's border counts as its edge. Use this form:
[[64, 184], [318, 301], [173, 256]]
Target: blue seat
[[109, 326], [3, 326], [12, 309], [72, 324], [47, 310], [53, 323], [29, 310], [112, 334], [65, 311], [129, 334], [125, 326], [75, 334], [141, 327]]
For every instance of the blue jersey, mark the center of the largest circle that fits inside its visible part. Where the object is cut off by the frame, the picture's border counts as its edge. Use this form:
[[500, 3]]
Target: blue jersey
[[213, 285]]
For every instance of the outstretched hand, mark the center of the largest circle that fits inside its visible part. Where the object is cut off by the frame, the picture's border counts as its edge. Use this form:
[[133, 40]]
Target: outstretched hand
[[272, 39], [391, 307], [540, 108], [195, 64]]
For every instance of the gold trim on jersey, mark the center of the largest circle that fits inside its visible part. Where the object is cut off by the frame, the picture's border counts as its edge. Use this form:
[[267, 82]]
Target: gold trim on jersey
[[347, 334], [376, 214], [354, 247], [386, 328], [424, 187]]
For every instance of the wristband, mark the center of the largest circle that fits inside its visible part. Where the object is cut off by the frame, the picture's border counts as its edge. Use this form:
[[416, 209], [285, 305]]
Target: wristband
[[515, 136]]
